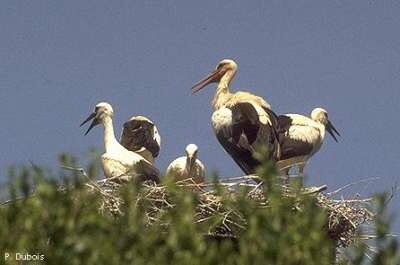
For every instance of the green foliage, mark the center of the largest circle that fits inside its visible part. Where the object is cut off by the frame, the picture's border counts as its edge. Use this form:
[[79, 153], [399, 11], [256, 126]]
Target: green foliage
[[68, 227]]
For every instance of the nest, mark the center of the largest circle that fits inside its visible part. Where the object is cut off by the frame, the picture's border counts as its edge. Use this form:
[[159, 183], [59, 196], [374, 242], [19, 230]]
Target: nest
[[344, 217]]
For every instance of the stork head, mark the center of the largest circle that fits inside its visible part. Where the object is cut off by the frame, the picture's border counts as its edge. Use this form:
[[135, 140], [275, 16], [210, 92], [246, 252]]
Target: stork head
[[223, 67], [321, 115], [191, 156], [141, 118], [101, 111], [191, 151]]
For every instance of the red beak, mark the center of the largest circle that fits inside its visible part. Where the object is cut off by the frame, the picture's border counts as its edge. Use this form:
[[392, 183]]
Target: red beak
[[211, 77]]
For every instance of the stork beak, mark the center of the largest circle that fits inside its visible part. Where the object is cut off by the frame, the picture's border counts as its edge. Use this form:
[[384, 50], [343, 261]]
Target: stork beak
[[93, 124], [190, 161], [332, 130], [190, 158], [211, 77]]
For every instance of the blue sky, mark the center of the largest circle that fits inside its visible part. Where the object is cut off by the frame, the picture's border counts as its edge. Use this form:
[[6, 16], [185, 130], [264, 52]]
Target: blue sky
[[59, 58]]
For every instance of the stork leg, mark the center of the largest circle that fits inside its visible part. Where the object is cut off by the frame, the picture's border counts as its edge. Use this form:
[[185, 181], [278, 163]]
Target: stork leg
[[301, 173], [286, 175]]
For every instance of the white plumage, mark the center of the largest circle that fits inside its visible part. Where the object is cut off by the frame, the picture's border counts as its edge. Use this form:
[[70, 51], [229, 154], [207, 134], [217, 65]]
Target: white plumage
[[119, 163], [188, 166], [301, 137]]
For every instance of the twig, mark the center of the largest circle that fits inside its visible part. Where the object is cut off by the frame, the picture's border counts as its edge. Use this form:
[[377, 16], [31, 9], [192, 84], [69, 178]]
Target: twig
[[353, 201], [14, 200], [351, 184]]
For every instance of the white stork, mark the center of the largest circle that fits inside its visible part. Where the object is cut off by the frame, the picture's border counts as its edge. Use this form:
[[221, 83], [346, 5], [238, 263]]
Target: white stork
[[141, 136], [301, 137], [241, 121], [119, 164], [188, 166]]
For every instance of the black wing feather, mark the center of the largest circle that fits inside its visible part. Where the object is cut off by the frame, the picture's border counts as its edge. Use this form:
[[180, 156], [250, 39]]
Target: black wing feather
[[137, 134], [148, 172], [243, 157], [291, 147], [245, 133]]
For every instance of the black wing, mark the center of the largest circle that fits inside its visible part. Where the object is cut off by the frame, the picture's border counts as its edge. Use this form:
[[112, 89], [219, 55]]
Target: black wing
[[284, 122], [291, 147], [275, 131], [242, 156], [139, 133], [244, 134], [148, 172]]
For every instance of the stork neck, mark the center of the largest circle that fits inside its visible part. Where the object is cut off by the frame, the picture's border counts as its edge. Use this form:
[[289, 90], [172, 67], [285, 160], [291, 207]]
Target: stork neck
[[223, 92], [321, 128], [226, 80], [110, 142]]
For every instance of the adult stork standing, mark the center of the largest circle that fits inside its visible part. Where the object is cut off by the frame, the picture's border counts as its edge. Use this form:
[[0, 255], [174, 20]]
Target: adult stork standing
[[119, 164], [241, 121], [302, 137], [141, 136], [188, 166]]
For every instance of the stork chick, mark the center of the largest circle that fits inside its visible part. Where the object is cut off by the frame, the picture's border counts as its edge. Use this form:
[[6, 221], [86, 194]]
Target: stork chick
[[119, 164], [301, 137], [187, 166]]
